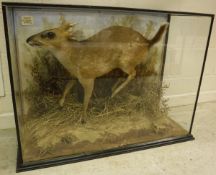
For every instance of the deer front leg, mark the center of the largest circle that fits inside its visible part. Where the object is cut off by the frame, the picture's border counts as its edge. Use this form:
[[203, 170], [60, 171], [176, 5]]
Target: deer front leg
[[88, 85], [67, 88]]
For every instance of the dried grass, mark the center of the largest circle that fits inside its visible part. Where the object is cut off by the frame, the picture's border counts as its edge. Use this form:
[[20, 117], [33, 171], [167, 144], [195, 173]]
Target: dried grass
[[52, 125]]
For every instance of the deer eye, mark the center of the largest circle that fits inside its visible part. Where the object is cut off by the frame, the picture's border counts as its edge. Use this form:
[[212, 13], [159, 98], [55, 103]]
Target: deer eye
[[49, 35]]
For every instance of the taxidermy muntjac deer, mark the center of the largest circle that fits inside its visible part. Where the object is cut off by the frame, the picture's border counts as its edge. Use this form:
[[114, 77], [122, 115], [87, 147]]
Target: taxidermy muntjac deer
[[111, 48]]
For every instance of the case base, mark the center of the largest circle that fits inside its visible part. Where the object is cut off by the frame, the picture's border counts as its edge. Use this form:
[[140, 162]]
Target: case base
[[65, 160]]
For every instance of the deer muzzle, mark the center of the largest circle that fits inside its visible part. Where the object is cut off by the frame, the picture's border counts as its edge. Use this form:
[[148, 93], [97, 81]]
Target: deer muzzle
[[32, 41]]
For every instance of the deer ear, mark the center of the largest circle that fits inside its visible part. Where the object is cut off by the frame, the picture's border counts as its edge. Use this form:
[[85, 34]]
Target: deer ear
[[68, 27], [64, 24], [76, 35], [70, 33]]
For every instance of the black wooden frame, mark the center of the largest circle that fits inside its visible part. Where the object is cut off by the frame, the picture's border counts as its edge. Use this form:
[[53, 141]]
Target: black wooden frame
[[115, 151]]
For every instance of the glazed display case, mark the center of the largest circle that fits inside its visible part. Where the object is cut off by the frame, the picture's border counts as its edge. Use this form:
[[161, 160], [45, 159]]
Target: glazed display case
[[89, 82]]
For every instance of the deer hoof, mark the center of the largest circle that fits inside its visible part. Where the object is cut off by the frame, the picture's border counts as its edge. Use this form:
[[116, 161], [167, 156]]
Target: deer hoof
[[82, 120]]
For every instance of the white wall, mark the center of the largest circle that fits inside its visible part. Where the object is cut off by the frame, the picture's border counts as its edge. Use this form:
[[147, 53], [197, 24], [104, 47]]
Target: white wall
[[6, 109], [186, 47], [208, 91]]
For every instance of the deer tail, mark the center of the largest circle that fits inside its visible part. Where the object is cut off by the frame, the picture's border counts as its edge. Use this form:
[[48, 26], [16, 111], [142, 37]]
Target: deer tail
[[158, 35]]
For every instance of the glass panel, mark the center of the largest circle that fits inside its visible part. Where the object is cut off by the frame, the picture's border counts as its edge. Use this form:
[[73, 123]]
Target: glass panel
[[1, 80], [185, 54], [13, 63]]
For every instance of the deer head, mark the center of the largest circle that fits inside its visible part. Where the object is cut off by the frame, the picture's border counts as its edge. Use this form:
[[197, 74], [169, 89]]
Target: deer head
[[53, 38]]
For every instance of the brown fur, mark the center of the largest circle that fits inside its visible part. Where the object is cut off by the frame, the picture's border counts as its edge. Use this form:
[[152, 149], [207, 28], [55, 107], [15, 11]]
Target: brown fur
[[111, 48]]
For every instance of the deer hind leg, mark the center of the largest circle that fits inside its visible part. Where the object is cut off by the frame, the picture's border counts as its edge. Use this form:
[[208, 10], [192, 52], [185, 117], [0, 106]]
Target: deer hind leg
[[131, 75], [67, 89], [88, 85], [117, 83]]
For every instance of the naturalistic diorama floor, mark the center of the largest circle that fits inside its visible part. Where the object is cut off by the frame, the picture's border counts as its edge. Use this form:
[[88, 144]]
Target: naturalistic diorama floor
[[188, 158]]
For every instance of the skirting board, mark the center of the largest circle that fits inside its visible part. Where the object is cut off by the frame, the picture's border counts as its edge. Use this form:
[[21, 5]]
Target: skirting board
[[7, 119], [189, 98]]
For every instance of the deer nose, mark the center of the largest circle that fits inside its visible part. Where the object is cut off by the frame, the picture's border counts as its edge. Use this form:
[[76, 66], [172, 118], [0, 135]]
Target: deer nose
[[29, 39]]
